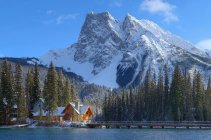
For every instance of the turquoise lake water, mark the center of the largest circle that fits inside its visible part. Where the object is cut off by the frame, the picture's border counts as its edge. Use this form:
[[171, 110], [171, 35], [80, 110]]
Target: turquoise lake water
[[103, 134]]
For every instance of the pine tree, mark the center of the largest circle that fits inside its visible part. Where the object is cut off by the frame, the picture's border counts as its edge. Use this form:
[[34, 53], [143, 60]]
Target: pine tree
[[73, 97], [66, 96], [105, 106], [36, 92], [1, 107], [166, 92], [199, 98], [153, 99], [160, 98], [188, 111], [20, 99], [61, 88], [177, 95], [29, 83], [147, 96], [131, 105], [123, 106], [7, 93], [50, 90], [139, 109], [208, 100]]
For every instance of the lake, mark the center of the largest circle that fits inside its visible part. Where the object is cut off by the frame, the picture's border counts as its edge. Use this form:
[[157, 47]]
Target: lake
[[103, 134]]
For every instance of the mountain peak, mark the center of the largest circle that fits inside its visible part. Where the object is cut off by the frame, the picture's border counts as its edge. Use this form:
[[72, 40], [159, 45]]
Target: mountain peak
[[113, 53], [130, 17], [103, 15]]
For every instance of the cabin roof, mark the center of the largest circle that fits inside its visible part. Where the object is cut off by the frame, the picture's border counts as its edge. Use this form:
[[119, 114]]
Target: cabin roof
[[58, 112], [82, 108]]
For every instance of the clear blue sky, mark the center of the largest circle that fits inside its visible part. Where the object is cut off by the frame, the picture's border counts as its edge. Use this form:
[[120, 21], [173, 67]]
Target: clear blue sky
[[33, 27]]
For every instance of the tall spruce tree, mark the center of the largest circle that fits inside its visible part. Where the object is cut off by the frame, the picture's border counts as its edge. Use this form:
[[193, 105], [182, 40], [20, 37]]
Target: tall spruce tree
[[61, 87], [29, 84], [7, 95], [66, 96], [123, 106], [208, 100], [199, 98], [36, 92], [20, 95], [73, 97], [1, 107], [160, 98], [188, 111], [177, 95], [147, 96], [131, 105], [166, 92], [50, 90]]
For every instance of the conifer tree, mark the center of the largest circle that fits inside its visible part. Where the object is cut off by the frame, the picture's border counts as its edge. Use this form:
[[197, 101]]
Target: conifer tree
[[177, 95], [105, 106], [123, 106], [153, 115], [61, 83], [20, 95], [208, 100], [166, 91], [131, 105], [36, 92], [199, 98], [29, 83], [50, 90], [139, 109], [1, 107], [188, 111], [73, 97], [6, 93], [147, 96], [66, 96], [160, 98]]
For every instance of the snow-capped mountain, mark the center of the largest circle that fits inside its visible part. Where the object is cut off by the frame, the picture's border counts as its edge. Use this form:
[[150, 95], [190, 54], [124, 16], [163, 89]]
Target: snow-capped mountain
[[118, 53]]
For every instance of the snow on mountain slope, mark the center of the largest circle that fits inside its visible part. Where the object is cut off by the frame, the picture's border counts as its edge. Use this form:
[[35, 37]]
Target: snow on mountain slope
[[118, 53]]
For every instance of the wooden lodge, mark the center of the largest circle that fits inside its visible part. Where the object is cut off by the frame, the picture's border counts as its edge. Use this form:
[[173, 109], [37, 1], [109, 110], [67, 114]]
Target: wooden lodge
[[75, 112]]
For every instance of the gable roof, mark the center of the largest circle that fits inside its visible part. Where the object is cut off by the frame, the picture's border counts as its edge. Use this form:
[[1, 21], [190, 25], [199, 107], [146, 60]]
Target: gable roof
[[82, 108]]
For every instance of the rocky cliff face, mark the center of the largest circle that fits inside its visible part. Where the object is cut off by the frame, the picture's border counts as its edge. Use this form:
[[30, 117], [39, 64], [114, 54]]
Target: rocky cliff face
[[118, 53]]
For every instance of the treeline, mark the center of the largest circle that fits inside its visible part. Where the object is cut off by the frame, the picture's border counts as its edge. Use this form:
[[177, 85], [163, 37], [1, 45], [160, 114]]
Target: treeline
[[18, 95], [184, 99]]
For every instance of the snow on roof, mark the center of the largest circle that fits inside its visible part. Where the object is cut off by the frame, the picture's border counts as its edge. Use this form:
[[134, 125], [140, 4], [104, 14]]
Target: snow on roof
[[82, 108], [58, 112], [73, 105]]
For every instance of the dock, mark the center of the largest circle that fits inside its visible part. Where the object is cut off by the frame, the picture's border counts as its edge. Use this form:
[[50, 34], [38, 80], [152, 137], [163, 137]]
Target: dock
[[150, 124]]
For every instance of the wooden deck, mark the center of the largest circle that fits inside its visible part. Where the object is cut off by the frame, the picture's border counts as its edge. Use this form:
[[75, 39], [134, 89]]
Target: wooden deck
[[151, 124]]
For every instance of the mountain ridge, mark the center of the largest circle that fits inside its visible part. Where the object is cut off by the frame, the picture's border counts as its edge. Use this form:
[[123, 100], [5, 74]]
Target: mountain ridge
[[118, 53]]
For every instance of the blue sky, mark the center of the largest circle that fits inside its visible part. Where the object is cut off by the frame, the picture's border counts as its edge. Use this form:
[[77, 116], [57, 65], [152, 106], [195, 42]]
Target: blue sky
[[33, 27]]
